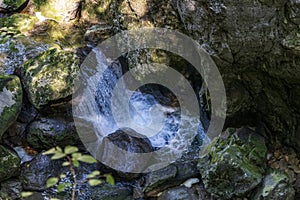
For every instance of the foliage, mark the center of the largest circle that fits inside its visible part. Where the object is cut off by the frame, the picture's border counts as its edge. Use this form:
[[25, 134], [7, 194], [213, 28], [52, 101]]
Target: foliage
[[73, 159]]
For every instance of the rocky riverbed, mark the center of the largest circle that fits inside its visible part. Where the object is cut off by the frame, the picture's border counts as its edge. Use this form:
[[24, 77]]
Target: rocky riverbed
[[255, 45]]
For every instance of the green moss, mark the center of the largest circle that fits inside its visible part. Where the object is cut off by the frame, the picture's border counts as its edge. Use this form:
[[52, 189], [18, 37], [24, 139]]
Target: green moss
[[234, 166], [20, 22], [50, 76], [11, 86]]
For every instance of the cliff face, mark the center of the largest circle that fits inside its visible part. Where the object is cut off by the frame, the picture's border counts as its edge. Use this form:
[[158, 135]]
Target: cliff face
[[256, 45]]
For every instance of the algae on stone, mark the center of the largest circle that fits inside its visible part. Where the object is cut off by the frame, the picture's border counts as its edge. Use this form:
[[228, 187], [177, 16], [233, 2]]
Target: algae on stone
[[10, 100], [49, 76], [234, 166], [275, 186]]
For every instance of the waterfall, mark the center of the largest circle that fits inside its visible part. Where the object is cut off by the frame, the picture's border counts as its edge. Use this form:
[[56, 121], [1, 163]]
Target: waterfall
[[145, 109]]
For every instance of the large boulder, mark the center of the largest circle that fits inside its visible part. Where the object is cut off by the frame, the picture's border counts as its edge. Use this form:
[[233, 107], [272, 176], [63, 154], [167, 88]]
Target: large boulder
[[49, 76], [234, 166], [10, 100], [9, 163], [255, 45]]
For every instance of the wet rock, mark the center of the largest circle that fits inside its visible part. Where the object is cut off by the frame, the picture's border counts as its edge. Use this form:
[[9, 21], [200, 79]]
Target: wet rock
[[197, 192], [234, 166], [35, 173], [10, 100], [11, 189], [15, 134], [44, 133], [9, 163], [276, 185], [108, 192], [50, 76], [130, 141], [98, 33], [11, 5], [173, 175]]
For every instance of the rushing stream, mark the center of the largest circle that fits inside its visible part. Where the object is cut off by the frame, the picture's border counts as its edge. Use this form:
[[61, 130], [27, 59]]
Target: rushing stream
[[153, 111]]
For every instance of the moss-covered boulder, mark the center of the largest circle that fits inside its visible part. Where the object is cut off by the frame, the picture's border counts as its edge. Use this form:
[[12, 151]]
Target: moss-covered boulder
[[49, 76], [10, 100], [234, 166], [9, 163], [276, 186], [20, 22], [11, 5]]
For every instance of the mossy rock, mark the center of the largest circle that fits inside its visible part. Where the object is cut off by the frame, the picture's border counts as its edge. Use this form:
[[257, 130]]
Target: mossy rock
[[57, 10], [49, 76], [11, 5], [9, 163], [20, 22], [10, 100], [234, 166], [276, 186]]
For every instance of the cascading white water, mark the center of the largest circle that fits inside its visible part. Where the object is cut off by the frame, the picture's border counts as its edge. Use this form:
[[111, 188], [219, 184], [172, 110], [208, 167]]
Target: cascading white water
[[144, 109]]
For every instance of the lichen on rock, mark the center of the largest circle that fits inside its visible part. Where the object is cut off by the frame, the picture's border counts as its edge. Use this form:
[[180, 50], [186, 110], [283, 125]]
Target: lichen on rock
[[10, 100], [49, 76], [276, 186], [234, 166]]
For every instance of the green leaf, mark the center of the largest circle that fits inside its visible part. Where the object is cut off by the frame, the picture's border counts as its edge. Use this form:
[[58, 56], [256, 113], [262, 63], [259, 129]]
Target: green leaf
[[61, 187], [110, 179], [87, 159], [58, 155], [94, 182], [76, 155], [76, 163], [70, 149], [93, 174], [26, 194], [66, 164], [52, 181], [62, 176], [50, 151], [96, 173]]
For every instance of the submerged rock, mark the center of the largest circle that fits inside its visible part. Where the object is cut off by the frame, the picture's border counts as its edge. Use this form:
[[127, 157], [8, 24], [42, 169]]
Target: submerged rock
[[10, 100], [50, 76], [234, 166], [9, 163], [275, 186]]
